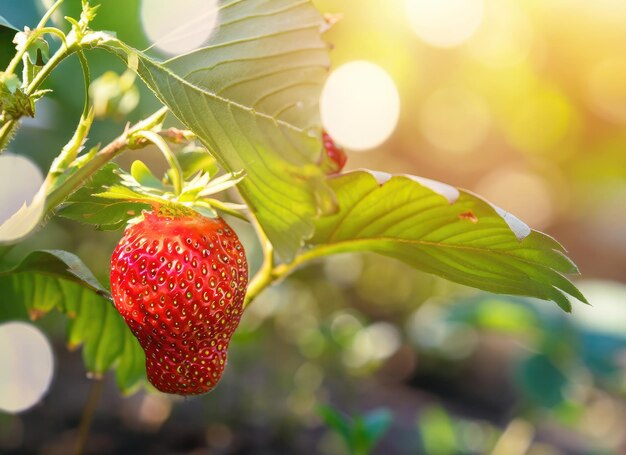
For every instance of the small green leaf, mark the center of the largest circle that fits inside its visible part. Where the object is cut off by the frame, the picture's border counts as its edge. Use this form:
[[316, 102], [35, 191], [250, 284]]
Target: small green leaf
[[144, 176], [38, 51], [448, 232], [337, 422], [106, 214], [369, 429], [13, 101]]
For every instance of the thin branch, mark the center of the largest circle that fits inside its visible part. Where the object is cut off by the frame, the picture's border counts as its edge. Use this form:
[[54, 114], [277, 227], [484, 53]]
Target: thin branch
[[106, 154], [264, 276]]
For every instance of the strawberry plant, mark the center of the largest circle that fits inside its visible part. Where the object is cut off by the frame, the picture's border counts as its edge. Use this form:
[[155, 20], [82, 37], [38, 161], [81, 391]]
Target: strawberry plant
[[251, 146]]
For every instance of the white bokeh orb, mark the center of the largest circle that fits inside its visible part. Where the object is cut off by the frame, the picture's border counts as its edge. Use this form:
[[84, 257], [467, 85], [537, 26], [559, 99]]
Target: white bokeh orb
[[445, 23], [22, 198], [360, 105], [27, 366], [177, 27], [20, 179]]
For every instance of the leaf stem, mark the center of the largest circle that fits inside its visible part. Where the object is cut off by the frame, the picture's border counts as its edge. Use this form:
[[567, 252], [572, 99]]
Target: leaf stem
[[265, 275], [269, 273]]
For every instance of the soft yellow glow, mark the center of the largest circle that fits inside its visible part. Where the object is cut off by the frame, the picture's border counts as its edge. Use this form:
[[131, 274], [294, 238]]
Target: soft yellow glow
[[541, 121], [179, 26], [445, 23], [506, 36], [27, 366], [519, 192], [607, 90], [454, 120], [360, 105]]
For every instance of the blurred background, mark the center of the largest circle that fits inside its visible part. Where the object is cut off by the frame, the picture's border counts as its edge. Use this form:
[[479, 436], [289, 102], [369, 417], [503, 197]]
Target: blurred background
[[521, 101]]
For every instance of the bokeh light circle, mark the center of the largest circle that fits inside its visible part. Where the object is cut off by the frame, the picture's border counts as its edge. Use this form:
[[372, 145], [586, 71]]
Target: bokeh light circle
[[520, 192], [445, 23], [27, 366], [20, 179], [606, 90], [360, 105], [455, 120], [506, 20], [180, 26], [22, 197]]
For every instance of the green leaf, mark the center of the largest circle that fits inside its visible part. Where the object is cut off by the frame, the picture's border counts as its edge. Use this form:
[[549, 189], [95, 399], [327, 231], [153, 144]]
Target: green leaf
[[196, 160], [251, 96], [144, 176], [58, 280], [338, 422], [106, 214], [370, 428], [7, 48], [451, 233], [60, 264]]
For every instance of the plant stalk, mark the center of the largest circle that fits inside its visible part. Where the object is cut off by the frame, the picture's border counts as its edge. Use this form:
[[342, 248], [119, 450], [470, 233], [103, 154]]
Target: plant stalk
[[106, 154], [87, 417]]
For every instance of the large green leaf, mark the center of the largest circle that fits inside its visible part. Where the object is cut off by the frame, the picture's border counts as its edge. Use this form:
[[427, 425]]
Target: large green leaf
[[251, 96], [58, 280], [7, 48], [451, 233]]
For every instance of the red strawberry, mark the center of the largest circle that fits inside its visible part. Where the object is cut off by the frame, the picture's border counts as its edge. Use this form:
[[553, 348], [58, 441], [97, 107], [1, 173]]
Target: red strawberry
[[179, 282], [335, 157]]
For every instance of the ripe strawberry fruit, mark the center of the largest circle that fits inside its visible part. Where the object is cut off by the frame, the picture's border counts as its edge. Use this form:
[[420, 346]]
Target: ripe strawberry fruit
[[335, 158], [179, 281]]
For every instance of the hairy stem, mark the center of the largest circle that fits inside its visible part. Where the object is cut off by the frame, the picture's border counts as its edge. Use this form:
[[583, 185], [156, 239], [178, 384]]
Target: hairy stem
[[67, 48], [106, 154]]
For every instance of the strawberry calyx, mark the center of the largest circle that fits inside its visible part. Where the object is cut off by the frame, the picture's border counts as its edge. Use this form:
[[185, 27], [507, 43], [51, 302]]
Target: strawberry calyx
[[195, 195]]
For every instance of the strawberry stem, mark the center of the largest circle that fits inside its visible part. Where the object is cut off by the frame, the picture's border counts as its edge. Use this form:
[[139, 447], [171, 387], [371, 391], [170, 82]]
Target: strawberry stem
[[264, 276]]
